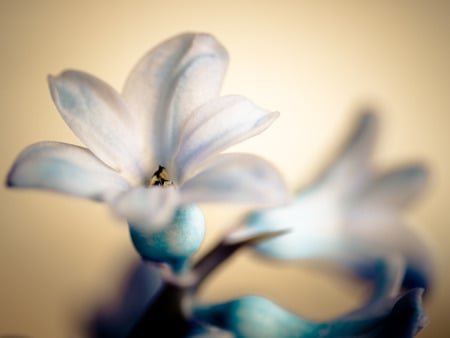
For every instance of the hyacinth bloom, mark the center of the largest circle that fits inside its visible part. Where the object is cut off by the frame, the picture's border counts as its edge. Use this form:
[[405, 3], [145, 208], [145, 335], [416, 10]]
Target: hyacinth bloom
[[351, 215], [154, 147]]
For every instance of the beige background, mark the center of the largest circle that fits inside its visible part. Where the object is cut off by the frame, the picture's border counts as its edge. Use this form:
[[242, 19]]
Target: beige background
[[314, 61]]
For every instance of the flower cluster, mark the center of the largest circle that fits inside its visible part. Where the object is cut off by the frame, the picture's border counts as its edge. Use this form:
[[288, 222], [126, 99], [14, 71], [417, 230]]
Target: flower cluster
[[155, 150]]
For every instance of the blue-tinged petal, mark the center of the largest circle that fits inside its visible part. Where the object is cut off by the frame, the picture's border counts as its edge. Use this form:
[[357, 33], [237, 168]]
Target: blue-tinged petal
[[215, 126], [381, 234], [67, 169], [256, 317], [176, 242], [170, 82], [394, 189], [116, 320], [320, 230], [387, 279], [313, 224], [99, 117], [239, 178], [400, 317], [149, 209]]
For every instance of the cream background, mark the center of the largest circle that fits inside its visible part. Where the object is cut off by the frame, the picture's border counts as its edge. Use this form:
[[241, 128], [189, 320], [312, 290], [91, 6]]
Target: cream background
[[314, 61]]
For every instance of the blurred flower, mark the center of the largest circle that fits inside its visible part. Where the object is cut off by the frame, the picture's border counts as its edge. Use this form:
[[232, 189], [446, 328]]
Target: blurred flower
[[351, 215], [152, 148]]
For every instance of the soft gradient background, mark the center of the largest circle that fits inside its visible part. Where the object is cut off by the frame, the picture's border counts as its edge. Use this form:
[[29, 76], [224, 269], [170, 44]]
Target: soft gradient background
[[314, 61]]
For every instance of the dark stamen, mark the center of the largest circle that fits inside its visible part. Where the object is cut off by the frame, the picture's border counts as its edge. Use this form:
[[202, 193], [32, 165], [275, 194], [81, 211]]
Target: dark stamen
[[160, 177]]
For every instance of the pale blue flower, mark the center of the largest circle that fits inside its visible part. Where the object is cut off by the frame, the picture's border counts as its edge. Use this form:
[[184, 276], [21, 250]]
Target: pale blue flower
[[352, 214], [154, 147]]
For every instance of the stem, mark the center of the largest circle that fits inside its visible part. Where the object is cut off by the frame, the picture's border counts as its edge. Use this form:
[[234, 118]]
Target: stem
[[164, 317], [223, 251]]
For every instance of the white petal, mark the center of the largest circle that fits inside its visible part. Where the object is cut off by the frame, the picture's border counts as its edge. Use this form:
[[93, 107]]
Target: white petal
[[237, 178], [216, 126], [171, 81], [98, 116], [350, 169], [394, 189], [147, 209], [313, 223], [67, 169]]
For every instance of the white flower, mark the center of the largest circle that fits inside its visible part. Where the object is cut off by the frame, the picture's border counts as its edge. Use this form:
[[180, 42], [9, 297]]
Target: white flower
[[151, 149]]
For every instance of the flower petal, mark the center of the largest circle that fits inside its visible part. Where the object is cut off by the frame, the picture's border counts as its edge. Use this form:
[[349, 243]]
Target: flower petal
[[387, 279], [401, 317], [314, 224], [216, 126], [381, 234], [147, 208], [98, 116], [394, 189], [350, 170], [171, 81], [256, 317], [253, 317], [320, 230], [67, 169], [238, 178]]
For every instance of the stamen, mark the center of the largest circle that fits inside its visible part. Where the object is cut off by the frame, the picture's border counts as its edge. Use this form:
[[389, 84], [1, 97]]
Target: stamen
[[160, 177]]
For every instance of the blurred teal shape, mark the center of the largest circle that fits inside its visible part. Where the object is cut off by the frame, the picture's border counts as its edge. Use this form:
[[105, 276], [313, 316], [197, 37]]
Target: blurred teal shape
[[388, 313], [176, 242], [257, 317]]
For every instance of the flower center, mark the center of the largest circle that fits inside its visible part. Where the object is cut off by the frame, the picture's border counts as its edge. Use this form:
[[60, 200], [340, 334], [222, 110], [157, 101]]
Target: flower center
[[160, 178]]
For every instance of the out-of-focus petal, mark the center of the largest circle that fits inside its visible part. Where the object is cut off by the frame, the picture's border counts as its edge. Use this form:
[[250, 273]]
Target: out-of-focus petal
[[313, 224], [350, 169], [381, 234], [401, 317], [319, 230], [176, 242], [394, 189], [216, 126], [253, 317], [98, 116], [67, 169], [147, 208], [238, 178], [256, 317], [170, 82]]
